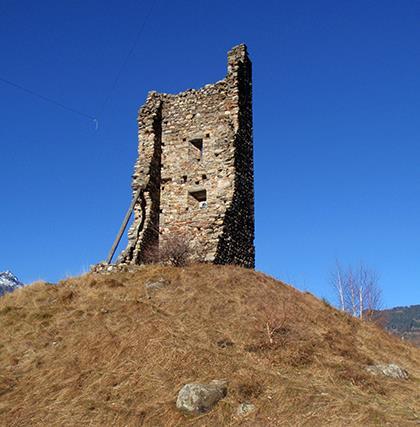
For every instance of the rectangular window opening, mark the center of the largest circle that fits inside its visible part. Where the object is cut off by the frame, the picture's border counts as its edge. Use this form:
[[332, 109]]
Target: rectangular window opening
[[196, 148], [198, 198]]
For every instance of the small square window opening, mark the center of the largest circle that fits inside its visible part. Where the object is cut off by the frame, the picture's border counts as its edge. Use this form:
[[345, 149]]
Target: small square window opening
[[196, 149], [197, 199]]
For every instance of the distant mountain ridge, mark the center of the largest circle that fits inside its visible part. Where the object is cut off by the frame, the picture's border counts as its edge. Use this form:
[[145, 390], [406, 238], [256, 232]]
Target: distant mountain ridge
[[402, 321], [9, 282]]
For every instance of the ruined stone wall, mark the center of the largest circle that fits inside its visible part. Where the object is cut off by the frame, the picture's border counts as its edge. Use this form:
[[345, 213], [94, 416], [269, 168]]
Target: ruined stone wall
[[196, 165]]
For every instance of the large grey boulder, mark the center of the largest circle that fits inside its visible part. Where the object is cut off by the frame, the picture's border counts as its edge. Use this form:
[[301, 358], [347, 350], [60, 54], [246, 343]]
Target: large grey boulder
[[197, 398], [391, 370]]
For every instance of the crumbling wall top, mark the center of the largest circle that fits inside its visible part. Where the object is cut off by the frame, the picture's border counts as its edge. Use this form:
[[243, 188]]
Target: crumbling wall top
[[238, 54]]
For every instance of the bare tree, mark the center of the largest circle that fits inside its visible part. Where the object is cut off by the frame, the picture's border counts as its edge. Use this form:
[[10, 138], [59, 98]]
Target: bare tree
[[357, 290], [338, 285]]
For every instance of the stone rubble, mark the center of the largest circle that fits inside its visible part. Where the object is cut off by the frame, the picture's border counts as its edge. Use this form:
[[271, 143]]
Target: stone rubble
[[104, 268]]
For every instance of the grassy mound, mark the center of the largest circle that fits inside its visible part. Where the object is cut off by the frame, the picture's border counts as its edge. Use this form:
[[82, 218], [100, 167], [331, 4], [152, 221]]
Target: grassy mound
[[104, 350]]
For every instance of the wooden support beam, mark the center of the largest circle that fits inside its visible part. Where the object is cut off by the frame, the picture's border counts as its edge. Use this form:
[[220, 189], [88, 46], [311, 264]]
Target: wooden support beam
[[124, 225]]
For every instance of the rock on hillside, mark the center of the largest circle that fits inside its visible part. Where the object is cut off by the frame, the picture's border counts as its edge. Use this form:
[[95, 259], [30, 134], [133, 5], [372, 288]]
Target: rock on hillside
[[110, 349], [8, 282]]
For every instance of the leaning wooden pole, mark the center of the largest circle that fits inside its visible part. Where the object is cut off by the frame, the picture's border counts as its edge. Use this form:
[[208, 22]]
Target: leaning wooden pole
[[124, 225]]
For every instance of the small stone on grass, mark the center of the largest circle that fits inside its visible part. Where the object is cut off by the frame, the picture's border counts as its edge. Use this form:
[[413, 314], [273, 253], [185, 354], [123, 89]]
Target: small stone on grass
[[392, 370], [197, 398], [244, 409]]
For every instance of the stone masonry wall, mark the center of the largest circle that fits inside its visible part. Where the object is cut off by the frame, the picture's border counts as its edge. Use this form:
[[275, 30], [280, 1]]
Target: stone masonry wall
[[196, 165]]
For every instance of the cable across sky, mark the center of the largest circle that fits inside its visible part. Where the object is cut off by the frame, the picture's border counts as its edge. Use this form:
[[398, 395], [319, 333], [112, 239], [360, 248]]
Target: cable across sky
[[110, 92], [48, 99]]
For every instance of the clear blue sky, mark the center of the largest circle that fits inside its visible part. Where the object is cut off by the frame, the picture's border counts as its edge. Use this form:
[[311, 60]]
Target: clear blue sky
[[336, 128]]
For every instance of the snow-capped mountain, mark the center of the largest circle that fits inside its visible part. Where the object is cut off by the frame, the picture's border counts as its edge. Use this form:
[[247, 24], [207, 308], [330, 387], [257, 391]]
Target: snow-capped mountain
[[9, 282]]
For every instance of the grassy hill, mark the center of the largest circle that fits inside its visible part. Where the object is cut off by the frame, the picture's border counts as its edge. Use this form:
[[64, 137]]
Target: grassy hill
[[106, 350]]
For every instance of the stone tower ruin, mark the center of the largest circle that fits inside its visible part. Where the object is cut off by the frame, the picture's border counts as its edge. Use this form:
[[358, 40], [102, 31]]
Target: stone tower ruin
[[194, 175]]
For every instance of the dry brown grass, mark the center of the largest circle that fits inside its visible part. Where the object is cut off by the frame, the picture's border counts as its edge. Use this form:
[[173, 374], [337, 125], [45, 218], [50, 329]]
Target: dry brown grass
[[100, 351]]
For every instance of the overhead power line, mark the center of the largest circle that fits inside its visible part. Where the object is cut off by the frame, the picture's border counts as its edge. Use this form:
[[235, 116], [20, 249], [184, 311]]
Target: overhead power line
[[114, 84], [124, 64], [50, 100]]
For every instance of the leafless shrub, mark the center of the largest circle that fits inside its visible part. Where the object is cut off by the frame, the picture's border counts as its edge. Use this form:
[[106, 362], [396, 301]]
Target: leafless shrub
[[174, 249], [275, 322]]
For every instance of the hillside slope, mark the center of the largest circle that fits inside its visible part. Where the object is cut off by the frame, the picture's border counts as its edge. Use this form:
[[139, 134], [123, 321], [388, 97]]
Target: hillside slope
[[104, 350]]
